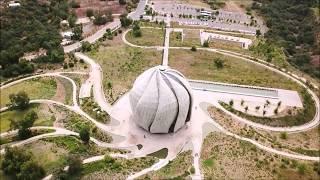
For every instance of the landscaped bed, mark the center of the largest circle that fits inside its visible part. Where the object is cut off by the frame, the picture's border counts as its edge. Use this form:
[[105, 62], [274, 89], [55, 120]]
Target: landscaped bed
[[92, 108], [75, 123], [302, 143], [226, 157], [37, 88]]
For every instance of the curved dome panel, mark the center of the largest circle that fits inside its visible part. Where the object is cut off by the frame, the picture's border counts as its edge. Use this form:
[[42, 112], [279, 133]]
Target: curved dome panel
[[161, 100]]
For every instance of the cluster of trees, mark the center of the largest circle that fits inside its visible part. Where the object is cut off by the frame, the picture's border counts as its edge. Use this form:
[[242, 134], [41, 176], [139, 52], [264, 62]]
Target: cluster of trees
[[292, 25], [28, 28], [101, 18], [19, 164], [215, 4]]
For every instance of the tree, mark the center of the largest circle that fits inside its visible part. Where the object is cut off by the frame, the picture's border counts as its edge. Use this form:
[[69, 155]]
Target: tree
[[246, 108], [77, 33], [75, 165], [122, 2], [258, 33], [31, 170], [20, 100], [242, 102], [85, 46], [205, 44], [136, 30], [24, 125], [219, 63], [231, 102], [109, 87], [89, 12], [18, 163], [109, 16], [125, 22], [85, 135], [99, 20]]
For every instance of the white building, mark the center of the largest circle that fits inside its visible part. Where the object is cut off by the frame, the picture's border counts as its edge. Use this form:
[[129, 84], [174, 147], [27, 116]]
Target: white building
[[67, 34], [161, 100], [14, 4], [207, 36]]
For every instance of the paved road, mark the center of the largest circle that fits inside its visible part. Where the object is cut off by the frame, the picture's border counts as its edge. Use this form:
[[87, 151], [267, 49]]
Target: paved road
[[135, 15], [93, 38]]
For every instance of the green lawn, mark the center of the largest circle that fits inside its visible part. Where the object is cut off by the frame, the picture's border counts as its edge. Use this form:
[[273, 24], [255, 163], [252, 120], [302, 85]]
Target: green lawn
[[200, 65], [191, 38], [38, 88], [121, 65], [150, 37], [45, 117]]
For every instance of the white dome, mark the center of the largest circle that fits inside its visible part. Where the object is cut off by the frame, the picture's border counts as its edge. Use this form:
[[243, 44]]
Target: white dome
[[161, 100]]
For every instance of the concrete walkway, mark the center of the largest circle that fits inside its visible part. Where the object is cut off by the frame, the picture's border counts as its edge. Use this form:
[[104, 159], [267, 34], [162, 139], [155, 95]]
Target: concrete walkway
[[165, 55]]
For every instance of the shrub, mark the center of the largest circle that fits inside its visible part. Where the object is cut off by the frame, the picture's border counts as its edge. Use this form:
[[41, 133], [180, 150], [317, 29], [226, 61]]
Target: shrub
[[193, 48], [219, 63], [283, 135], [302, 168], [85, 134], [89, 12], [75, 165], [85, 46]]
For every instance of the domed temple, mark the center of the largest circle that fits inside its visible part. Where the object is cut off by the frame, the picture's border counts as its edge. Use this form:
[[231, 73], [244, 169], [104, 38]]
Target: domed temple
[[161, 100]]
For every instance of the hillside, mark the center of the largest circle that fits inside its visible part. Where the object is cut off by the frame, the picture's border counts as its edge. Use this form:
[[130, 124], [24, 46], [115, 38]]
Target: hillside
[[32, 26], [293, 25]]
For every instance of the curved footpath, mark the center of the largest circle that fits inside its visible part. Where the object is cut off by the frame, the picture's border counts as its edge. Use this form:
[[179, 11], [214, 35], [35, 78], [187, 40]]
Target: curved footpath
[[96, 76], [305, 127]]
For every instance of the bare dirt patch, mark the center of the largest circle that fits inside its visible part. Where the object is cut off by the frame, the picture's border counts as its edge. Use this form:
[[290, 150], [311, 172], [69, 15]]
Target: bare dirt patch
[[233, 7], [99, 6]]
